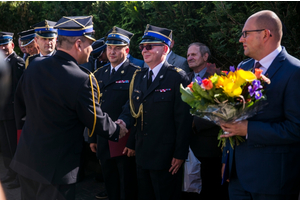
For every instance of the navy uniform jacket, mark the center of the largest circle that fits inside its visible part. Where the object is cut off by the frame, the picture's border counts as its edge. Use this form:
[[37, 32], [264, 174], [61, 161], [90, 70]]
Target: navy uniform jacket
[[16, 65], [166, 127], [204, 138], [115, 94], [268, 161], [55, 96]]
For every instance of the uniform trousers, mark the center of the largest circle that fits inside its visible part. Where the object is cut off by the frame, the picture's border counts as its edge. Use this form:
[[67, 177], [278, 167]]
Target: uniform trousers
[[8, 139], [119, 175], [237, 192], [31, 189], [159, 184]]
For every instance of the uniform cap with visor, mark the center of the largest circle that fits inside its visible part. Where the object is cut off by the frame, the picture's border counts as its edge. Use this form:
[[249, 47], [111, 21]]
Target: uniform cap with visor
[[45, 29], [27, 37], [118, 36], [6, 37], [74, 26], [154, 34]]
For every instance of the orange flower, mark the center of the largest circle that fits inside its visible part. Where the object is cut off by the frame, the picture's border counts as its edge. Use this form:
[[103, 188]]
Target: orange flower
[[190, 86], [258, 73], [207, 84]]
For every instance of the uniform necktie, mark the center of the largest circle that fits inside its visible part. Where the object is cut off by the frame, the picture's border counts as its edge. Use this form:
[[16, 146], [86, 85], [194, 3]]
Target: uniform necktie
[[113, 71], [149, 78]]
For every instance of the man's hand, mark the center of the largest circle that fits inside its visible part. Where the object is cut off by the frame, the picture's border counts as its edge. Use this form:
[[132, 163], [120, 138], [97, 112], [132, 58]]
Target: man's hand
[[239, 128], [93, 147], [176, 163], [129, 152], [123, 130], [120, 121], [222, 171]]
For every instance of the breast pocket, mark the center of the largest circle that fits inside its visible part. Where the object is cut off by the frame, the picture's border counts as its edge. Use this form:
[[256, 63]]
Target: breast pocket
[[162, 96]]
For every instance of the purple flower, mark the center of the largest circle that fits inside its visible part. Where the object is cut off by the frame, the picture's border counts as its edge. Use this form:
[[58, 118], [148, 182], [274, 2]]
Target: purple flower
[[255, 89], [199, 80], [231, 68]]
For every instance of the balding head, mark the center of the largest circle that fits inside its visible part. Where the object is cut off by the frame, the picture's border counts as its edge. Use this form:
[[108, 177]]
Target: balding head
[[267, 19]]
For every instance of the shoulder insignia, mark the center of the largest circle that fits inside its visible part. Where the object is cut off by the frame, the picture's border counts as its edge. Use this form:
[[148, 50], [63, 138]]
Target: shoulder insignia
[[177, 69], [99, 68]]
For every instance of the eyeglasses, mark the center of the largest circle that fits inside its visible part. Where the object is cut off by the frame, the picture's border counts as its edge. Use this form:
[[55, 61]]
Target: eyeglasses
[[244, 33], [148, 46]]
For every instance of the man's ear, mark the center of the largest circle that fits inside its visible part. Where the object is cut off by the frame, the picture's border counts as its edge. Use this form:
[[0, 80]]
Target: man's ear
[[205, 57], [78, 44], [166, 49]]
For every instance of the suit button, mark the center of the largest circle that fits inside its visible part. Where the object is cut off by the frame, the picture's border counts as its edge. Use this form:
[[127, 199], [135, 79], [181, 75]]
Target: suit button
[[144, 100], [145, 134], [103, 100], [120, 87], [145, 112], [105, 90], [145, 123]]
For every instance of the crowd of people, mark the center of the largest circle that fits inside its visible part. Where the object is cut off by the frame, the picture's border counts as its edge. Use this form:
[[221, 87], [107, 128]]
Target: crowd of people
[[70, 89]]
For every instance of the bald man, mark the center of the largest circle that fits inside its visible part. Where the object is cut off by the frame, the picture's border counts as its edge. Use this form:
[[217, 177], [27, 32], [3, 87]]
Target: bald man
[[267, 165]]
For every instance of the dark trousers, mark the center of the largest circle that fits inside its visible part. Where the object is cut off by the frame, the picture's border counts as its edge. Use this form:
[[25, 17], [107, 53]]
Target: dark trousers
[[159, 184], [8, 139], [32, 190], [237, 192], [211, 181], [120, 177]]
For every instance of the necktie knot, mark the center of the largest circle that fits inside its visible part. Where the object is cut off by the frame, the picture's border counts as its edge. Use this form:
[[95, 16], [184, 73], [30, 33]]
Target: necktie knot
[[257, 65]]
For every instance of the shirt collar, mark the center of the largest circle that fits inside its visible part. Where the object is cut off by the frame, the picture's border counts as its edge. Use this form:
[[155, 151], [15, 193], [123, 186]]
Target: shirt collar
[[156, 69], [267, 61], [118, 66], [201, 73], [50, 54]]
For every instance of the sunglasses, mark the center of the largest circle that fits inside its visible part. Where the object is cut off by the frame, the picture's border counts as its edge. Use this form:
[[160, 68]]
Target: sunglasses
[[148, 46]]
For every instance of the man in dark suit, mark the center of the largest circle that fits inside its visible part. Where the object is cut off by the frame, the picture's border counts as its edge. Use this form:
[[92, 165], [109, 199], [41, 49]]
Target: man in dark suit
[[204, 142], [119, 171], [176, 60], [8, 129], [266, 165], [58, 100], [162, 120], [45, 38]]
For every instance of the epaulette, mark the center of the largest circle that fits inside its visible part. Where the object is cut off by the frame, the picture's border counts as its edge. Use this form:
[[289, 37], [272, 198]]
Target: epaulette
[[85, 70], [178, 70], [100, 68]]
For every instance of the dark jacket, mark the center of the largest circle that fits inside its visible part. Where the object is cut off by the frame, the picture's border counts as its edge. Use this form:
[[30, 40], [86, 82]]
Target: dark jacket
[[17, 66], [55, 97], [115, 94], [164, 132]]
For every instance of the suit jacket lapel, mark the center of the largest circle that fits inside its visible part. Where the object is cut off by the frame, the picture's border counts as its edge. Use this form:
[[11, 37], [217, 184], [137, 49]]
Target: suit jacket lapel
[[276, 64]]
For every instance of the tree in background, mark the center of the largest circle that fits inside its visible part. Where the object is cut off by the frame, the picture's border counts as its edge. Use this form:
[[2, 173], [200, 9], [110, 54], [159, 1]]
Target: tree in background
[[217, 24]]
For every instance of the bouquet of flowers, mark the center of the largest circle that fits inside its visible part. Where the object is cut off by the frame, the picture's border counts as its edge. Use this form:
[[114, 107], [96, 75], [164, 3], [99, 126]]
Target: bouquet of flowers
[[229, 97]]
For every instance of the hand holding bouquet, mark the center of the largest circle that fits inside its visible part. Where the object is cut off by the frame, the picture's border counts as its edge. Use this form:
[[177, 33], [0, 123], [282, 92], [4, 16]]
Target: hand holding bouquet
[[230, 97]]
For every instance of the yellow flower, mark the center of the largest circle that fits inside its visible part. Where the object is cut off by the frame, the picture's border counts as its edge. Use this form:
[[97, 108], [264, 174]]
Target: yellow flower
[[231, 89], [220, 82], [244, 76]]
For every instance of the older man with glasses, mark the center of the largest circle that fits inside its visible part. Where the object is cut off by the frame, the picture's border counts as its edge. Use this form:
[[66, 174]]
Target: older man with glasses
[[162, 120]]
